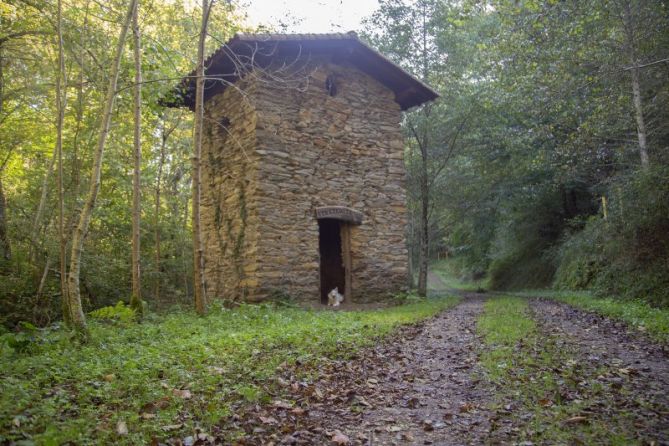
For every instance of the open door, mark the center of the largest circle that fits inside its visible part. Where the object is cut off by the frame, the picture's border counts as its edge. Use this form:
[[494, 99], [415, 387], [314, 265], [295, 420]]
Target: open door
[[334, 244], [333, 272]]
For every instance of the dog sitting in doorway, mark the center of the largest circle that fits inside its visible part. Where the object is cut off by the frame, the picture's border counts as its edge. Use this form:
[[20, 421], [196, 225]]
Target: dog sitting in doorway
[[335, 298]]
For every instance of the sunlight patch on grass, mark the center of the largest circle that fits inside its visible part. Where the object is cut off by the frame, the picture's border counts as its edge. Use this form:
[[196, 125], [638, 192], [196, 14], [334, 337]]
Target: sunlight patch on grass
[[176, 370]]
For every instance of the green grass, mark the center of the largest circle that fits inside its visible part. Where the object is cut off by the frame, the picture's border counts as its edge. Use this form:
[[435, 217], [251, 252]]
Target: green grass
[[541, 384], [445, 270], [636, 313], [53, 392]]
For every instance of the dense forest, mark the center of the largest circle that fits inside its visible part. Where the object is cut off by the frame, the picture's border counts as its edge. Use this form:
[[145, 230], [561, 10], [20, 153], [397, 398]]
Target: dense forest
[[544, 163]]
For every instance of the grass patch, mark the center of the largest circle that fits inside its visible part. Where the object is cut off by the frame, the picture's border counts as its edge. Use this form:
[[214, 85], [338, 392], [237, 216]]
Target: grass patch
[[179, 370], [636, 313], [542, 387], [450, 277]]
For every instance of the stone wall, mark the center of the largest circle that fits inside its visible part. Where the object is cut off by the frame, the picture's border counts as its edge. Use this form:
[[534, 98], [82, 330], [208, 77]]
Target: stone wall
[[321, 150], [229, 185], [287, 151]]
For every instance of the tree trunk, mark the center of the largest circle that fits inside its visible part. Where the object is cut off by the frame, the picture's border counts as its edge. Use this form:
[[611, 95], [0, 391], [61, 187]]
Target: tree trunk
[[61, 99], [136, 296], [34, 233], [638, 113], [198, 253], [77, 318], [5, 247], [630, 36], [156, 223], [424, 223]]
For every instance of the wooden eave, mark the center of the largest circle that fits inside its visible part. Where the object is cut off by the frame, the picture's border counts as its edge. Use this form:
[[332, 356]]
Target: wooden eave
[[227, 64]]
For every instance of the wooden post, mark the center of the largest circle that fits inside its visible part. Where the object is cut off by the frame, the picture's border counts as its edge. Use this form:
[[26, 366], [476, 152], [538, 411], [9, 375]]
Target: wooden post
[[345, 232]]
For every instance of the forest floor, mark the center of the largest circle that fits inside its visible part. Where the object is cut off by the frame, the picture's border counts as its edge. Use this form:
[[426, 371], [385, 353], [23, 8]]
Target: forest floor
[[492, 370], [449, 370]]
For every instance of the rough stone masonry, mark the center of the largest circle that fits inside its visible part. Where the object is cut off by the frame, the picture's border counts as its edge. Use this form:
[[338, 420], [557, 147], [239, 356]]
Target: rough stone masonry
[[313, 124]]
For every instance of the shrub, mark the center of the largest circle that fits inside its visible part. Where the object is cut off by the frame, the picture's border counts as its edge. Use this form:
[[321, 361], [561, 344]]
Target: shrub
[[626, 254], [119, 313]]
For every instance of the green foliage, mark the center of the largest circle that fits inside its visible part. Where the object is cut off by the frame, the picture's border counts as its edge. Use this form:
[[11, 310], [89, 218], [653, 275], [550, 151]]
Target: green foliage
[[637, 223], [119, 313], [454, 276], [27, 139], [543, 91], [58, 392], [22, 341]]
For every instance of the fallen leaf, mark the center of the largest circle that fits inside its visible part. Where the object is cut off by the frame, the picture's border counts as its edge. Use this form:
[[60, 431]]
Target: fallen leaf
[[340, 439], [121, 428], [576, 420], [172, 427], [185, 393], [281, 404], [147, 416], [268, 420]]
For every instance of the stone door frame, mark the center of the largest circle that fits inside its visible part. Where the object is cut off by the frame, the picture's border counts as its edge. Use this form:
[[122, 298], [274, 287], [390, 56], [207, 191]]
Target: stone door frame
[[347, 217]]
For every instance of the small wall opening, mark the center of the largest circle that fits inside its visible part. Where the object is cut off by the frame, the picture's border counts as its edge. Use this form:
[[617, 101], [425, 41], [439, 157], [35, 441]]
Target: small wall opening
[[333, 273]]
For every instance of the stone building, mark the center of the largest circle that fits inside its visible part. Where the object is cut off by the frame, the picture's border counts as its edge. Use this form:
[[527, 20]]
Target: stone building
[[303, 175]]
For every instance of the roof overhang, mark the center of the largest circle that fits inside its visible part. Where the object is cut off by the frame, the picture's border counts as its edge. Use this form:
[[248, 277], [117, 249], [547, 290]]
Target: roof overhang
[[245, 51]]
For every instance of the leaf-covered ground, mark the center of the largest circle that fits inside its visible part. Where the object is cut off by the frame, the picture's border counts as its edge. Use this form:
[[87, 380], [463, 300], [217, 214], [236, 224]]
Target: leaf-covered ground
[[489, 370], [172, 377], [493, 370]]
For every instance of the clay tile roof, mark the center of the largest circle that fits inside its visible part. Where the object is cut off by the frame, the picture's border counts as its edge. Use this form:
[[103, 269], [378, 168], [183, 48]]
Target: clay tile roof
[[229, 61]]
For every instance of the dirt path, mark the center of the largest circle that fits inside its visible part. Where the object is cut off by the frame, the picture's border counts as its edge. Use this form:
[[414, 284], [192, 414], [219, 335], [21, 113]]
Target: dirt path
[[422, 386], [435, 284], [430, 396], [416, 388], [632, 370]]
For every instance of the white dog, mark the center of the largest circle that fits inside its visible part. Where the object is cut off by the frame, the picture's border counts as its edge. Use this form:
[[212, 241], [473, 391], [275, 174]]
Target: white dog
[[335, 298]]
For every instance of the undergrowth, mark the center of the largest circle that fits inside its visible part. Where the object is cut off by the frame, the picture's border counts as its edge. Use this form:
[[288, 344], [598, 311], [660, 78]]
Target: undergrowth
[[171, 374]]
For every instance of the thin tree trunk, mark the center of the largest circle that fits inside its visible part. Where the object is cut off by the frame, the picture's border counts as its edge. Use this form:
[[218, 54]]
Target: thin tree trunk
[[61, 98], [5, 246], [186, 278], [630, 31], [42, 281], [638, 114], [198, 250], [424, 223], [77, 318], [156, 223], [45, 182], [136, 296]]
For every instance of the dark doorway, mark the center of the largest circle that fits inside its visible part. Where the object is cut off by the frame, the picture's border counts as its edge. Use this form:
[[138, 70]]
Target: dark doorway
[[332, 266]]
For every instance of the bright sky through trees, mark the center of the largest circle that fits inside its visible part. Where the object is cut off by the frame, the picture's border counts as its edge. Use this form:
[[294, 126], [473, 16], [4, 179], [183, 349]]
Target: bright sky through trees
[[310, 16]]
